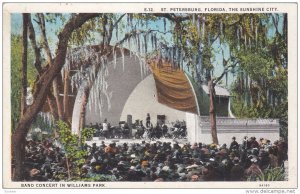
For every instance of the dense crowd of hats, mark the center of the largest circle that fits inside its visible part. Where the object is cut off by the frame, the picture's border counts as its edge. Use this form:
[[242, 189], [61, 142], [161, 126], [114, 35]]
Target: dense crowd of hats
[[160, 161]]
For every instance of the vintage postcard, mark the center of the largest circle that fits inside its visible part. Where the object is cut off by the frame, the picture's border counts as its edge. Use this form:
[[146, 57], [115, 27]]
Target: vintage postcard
[[150, 95]]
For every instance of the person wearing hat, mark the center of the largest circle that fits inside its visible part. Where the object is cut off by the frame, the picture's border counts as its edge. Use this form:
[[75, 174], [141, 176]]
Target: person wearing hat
[[145, 163], [109, 149], [115, 174], [140, 130], [282, 148], [237, 171], [195, 178], [34, 172], [105, 128], [97, 169], [102, 146], [132, 174], [196, 152], [210, 174], [253, 171], [273, 158], [164, 172], [147, 177], [261, 142], [223, 151], [148, 120], [194, 146], [253, 143], [225, 167], [164, 130], [264, 159], [234, 144], [245, 144]]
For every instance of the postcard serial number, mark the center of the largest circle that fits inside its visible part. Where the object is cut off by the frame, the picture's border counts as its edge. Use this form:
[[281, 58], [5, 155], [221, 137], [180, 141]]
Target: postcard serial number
[[264, 185]]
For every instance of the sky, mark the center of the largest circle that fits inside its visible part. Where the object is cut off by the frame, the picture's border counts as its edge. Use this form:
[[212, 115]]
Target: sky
[[51, 28]]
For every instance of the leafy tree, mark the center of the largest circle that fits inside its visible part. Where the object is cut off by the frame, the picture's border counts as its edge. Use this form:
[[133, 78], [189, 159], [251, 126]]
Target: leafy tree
[[261, 87], [259, 59], [75, 155], [42, 86]]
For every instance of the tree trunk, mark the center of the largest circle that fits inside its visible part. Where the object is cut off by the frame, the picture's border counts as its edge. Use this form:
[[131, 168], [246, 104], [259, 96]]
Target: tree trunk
[[42, 86], [18, 142], [37, 64], [68, 168], [56, 82], [212, 112], [56, 92], [66, 95], [24, 63], [52, 106], [84, 101]]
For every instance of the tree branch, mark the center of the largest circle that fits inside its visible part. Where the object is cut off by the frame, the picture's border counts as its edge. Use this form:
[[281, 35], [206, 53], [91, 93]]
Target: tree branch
[[36, 49], [56, 82], [137, 32], [226, 69], [172, 17], [275, 23], [120, 18], [47, 77], [50, 98], [24, 63], [41, 23], [36, 21], [213, 40], [112, 26]]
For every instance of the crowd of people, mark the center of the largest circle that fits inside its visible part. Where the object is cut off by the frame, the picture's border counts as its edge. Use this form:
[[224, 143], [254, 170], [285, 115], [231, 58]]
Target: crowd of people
[[176, 130], [105, 130], [138, 130], [160, 161]]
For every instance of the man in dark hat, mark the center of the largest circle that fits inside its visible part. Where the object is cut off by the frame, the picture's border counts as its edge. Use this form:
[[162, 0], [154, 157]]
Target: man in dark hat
[[148, 120], [234, 144], [164, 130], [253, 143], [140, 130], [124, 148], [245, 144]]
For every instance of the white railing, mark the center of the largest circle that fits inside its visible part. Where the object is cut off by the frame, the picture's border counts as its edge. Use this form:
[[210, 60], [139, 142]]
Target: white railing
[[235, 121]]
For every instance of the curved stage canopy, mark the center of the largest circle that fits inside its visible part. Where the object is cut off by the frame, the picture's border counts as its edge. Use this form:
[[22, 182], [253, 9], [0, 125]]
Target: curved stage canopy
[[143, 100], [173, 88]]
